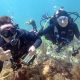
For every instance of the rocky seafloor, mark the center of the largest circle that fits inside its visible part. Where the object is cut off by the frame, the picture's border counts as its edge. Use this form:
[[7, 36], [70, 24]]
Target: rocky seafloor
[[49, 65]]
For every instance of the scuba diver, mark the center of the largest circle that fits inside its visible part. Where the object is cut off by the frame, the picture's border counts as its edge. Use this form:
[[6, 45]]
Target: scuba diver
[[19, 41], [61, 29]]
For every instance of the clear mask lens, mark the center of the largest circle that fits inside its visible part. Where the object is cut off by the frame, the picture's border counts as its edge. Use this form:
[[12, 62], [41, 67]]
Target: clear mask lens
[[8, 32], [62, 21]]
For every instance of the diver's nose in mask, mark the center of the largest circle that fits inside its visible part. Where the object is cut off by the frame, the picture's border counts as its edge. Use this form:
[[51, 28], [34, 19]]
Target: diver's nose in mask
[[62, 21]]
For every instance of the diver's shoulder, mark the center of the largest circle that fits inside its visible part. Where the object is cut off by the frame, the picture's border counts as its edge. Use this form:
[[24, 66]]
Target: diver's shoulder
[[22, 31], [74, 24]]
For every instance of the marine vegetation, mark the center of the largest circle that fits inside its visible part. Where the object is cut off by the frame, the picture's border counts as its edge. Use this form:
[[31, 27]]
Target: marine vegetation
[[49, 65]]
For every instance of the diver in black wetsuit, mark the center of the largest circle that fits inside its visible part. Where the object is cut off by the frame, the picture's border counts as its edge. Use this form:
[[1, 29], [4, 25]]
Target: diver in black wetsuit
[[17, 40], [61, 29]]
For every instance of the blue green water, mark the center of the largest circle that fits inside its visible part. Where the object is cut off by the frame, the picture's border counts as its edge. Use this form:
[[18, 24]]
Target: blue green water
[[22, 10]]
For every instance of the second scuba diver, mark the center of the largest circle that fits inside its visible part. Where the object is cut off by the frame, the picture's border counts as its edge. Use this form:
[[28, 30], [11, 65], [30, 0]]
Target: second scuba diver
[[61, 29]]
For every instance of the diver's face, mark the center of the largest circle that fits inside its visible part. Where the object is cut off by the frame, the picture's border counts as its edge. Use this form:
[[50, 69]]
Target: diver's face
[[62, 21], [7, 30]]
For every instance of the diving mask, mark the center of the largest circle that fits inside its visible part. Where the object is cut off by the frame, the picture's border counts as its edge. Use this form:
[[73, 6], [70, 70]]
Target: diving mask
[[7, 30], [62, 21]]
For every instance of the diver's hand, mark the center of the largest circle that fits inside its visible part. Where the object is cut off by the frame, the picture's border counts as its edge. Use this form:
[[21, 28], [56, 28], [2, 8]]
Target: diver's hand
[[3, 52], [5, 55], [32, 50]]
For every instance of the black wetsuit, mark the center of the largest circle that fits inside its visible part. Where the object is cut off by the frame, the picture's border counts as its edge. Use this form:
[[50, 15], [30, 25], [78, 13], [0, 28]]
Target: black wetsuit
[[25, 40], [65, 34]]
